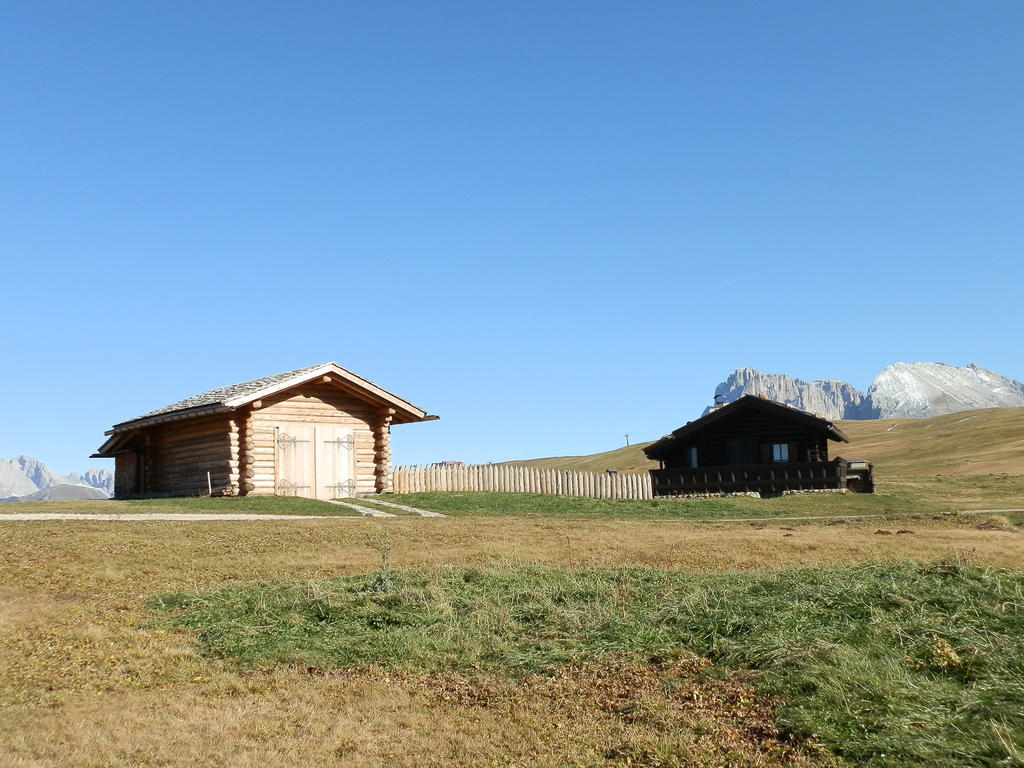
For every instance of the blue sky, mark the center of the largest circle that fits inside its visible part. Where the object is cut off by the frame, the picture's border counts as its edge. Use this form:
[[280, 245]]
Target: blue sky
[[549, 223]]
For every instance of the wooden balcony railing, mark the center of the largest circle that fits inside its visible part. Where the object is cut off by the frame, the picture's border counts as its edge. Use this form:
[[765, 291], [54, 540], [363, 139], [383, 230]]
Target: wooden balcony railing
[[763, 478]]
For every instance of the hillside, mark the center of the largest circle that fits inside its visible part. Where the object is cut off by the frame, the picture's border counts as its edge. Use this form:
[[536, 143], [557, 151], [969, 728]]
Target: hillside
[[967, 443], [61, 492]]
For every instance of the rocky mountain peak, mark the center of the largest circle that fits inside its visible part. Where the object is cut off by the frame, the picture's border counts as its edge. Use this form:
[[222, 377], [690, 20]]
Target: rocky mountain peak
[[40, 474], [832, 399], [902, 390], [920, 390]]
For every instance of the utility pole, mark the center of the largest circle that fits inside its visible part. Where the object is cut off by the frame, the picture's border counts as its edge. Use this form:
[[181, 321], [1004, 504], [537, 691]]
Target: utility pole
[[627, 438]]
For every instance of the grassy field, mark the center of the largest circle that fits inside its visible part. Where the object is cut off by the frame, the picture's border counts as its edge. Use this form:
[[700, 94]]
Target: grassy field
[[910, 501], [863, 656], [91, 674], [929, 496]]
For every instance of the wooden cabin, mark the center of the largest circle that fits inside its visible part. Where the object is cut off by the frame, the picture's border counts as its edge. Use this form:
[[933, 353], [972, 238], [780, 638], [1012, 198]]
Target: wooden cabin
[[750, 445], [320, 432]]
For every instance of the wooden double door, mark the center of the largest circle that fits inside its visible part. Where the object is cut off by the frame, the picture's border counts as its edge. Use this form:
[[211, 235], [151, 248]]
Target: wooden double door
[[317, 461]]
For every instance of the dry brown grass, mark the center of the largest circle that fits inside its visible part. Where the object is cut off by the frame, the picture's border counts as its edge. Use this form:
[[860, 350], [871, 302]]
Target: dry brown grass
[[969, 443], [86, 679], [592, 715]]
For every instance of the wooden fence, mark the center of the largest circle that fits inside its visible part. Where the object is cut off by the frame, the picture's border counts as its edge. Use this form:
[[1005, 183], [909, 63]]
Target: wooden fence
[[511, 478]]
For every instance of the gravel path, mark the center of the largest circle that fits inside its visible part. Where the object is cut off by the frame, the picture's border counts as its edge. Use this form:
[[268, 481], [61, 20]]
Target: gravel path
[[175, 516], [364, 511]]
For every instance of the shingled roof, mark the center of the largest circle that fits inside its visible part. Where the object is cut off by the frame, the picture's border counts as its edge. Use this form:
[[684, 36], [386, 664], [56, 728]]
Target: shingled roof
[[230, 397], [221, 395]]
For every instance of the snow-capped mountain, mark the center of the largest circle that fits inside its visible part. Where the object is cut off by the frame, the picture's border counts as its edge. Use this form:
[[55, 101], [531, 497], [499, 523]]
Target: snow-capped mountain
[[40, 474], [920, 390], [14, 482], [23, 476], [903, 390]]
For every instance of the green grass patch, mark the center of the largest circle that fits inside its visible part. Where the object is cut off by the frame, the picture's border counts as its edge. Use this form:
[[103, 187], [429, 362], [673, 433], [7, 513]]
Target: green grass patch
[[889, 665], [465, 504], [254, 505]]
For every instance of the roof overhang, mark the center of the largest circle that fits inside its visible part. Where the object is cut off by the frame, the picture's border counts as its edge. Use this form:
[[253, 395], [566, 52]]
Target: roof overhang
[[160, 418]]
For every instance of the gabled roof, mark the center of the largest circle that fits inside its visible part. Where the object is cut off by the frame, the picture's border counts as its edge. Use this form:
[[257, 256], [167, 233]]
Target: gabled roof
[[226, 399], [746, 403]]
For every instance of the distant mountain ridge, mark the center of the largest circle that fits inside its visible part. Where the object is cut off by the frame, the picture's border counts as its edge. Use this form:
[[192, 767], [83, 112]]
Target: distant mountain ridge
[[62, 492], [832, 399], [24, 476], [902, 390]]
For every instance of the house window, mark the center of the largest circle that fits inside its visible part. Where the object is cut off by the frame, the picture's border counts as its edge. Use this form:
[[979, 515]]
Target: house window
[[693, 455], [780, 452]]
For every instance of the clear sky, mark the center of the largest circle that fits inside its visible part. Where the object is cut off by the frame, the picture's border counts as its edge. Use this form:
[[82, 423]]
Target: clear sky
[[551, 223]]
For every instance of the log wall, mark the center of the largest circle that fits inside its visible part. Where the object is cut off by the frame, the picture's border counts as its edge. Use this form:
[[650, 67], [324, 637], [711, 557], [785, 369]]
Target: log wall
[[179, 455]]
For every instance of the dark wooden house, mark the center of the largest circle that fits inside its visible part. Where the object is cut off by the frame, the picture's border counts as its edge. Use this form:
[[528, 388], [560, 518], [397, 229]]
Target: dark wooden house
[[752, 444], [321, 432]]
